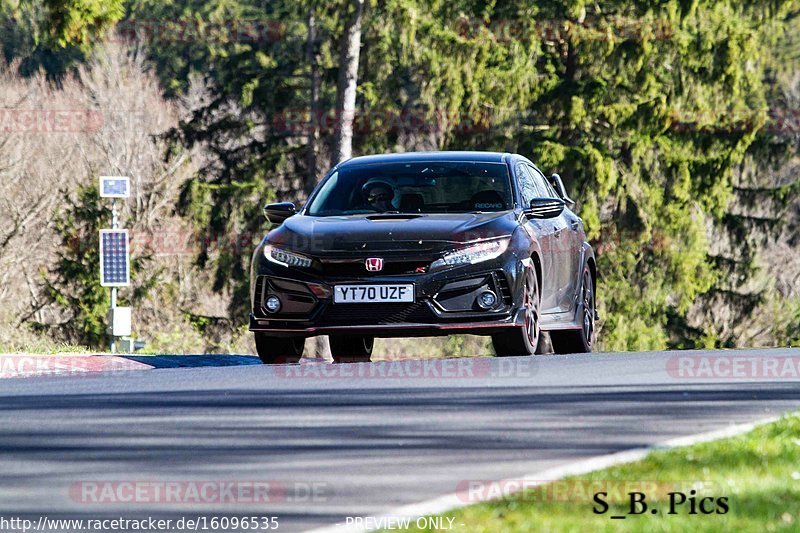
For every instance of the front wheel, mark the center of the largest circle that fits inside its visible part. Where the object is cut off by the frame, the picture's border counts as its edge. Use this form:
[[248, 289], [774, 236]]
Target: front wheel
[[526, 340], [277, 350], [351, 348], [579, 340]]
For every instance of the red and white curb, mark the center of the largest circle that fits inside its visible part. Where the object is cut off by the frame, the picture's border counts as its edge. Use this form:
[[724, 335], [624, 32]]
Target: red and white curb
[[28, 365], [72, 364]]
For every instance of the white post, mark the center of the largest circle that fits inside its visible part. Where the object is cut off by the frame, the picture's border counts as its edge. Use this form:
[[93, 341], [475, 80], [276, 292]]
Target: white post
[[113, 341]]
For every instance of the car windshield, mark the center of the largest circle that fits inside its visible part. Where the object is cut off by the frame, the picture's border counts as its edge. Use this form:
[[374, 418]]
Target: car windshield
[[419, 187]]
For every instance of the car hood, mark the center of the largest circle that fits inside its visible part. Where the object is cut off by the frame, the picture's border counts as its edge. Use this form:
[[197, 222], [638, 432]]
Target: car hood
[[338, 235]]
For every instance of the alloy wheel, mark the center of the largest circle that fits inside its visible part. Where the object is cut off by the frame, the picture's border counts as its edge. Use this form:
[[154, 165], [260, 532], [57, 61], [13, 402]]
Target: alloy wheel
[[532, 303], [588, 309]]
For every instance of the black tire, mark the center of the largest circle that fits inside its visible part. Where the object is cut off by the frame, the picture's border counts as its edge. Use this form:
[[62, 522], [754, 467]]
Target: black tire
[[579, 340], [351, 348], [527, 340], [277, 350]]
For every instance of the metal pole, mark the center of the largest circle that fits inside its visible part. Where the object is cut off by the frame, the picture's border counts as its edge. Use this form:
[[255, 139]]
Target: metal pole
[[113, 306], [113, 341]]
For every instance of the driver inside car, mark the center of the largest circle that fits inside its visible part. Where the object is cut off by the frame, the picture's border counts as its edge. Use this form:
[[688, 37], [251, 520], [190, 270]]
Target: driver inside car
[[379, 194]]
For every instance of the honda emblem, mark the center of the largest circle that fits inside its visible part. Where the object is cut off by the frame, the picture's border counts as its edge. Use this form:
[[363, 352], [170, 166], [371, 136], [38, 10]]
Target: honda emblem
[[374, 264]]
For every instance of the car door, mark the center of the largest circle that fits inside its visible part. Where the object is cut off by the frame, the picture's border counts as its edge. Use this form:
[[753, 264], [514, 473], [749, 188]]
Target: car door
[[568, 242], [542, 230]]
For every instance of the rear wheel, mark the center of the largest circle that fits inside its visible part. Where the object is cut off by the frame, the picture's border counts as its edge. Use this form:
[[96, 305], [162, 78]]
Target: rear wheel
[[277, 350], [526, 340], [351, 348], [579, 340]]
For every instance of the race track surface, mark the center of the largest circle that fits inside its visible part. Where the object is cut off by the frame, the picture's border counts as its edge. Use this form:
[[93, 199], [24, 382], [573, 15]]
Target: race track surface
[[330, 441]]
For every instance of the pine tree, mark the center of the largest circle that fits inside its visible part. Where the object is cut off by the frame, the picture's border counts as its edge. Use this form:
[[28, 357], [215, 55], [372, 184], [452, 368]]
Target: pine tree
[[646, 109]]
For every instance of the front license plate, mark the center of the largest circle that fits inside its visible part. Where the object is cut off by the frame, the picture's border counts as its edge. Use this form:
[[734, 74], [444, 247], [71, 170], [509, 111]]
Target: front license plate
[[357, 294]]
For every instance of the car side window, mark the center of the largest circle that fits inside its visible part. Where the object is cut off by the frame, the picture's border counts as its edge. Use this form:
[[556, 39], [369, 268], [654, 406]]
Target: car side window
[[527, 186], [543, 185]]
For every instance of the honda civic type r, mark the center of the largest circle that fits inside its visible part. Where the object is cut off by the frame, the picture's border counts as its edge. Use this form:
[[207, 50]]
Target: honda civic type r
[[422, 244]]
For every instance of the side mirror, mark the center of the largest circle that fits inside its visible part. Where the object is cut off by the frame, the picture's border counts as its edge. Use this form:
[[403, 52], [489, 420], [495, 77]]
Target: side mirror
[[545, 208], [558, 185], [277, 213]]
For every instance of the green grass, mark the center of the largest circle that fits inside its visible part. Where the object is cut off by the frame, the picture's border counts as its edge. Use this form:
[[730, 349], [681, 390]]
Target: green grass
[[44, 347], [759, 472]]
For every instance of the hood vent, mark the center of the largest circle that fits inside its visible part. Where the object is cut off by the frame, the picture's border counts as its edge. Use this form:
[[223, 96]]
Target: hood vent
[[389, 217]]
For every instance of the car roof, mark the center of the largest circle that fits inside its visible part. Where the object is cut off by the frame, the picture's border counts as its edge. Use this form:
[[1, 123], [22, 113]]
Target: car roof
[[477, 157]]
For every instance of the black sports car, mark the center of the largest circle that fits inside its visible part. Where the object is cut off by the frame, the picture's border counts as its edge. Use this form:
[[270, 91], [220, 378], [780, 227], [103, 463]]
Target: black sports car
[[421, 244]]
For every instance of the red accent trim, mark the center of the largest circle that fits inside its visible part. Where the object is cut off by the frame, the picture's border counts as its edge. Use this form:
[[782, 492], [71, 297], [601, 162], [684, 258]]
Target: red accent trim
[[391, 327]]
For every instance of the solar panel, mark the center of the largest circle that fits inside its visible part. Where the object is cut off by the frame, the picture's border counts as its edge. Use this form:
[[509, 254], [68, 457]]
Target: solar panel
[[114, 258], [114, 187]]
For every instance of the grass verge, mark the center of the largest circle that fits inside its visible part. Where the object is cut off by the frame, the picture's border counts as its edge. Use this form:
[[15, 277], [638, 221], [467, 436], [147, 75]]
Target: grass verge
[[44, 347], [758, 472]]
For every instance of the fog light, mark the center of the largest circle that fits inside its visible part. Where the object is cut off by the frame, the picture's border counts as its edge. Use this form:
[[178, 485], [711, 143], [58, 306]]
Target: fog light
[[272, 304], [487, 299]]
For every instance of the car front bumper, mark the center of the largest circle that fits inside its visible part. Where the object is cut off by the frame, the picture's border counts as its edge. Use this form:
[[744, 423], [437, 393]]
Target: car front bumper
[[386, 330], [445, 303]]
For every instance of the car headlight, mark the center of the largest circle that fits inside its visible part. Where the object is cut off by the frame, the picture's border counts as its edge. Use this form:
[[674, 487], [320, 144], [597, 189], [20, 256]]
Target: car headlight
[[286, 258], [474, 253]]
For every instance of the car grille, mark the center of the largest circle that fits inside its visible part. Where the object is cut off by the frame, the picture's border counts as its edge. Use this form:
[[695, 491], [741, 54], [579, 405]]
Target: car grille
[[377, 314], [358, 268]]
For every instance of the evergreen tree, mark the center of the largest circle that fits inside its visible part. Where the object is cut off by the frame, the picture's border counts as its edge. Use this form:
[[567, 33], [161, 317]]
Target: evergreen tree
[[647, 109]]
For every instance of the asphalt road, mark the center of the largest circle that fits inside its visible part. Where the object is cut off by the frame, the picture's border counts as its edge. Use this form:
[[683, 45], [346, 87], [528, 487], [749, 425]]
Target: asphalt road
[[330, 441]]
